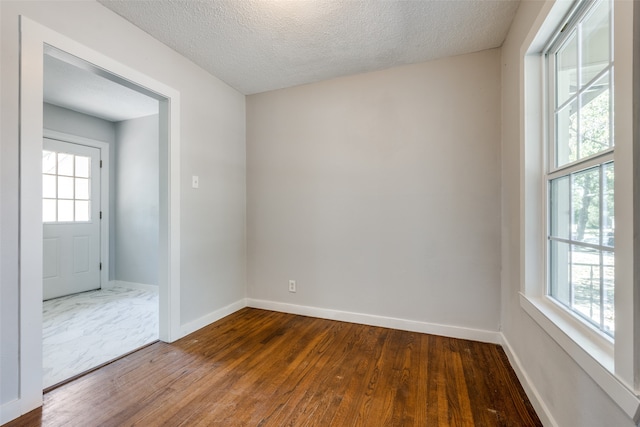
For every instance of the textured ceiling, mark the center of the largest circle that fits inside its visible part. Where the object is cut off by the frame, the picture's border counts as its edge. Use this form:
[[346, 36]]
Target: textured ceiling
[[78, 89], [260, 45]]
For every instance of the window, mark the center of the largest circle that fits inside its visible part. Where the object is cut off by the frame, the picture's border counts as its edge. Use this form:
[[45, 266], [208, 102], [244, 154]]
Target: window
[[580, 167], [65, 187], [578, 255]]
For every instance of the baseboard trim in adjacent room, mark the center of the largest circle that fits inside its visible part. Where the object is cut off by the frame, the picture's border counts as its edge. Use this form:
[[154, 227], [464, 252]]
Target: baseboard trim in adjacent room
[[532, 393], [132, 285], [382, 321], [214, 316]]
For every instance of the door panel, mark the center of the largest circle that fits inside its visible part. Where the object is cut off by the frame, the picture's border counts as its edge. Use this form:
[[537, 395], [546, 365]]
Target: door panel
[[81, 251], [71, 218]]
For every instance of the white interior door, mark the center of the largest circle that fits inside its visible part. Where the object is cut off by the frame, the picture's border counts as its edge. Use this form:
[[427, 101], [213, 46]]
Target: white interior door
[[71, 218]]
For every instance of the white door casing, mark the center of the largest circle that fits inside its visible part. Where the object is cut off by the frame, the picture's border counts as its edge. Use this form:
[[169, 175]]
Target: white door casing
[[71, 237], [34, 40]]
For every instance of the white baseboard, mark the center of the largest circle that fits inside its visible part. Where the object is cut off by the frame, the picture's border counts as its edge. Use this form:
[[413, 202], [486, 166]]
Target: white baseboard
[[532, 393], [131, 285], [382, 321], [493, 337], [214, 316]]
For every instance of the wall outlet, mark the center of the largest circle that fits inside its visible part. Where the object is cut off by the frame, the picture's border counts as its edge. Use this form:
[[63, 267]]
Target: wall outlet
[[292, 285]]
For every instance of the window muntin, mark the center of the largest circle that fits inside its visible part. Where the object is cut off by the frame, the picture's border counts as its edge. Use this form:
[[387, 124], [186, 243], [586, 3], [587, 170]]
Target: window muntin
[[580, 250], [66, 180], [581, 68]]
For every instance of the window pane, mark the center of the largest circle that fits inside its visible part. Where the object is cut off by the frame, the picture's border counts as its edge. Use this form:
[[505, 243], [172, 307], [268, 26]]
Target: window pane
[[82, 210], [585, 191], [65, 210], [82, 189], [585, 280], [49, 186], [567, 134], [594, 118], [608, 222], [82, 167], [560, 208], [48, 162], [65, 164], [595, 42], [609, 272], [567, 71], [65, 187], [559, 273], [581, 219], [49, 210]]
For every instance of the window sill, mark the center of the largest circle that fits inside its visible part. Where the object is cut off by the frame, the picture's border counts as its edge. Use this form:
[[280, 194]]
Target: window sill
[[593, 354]]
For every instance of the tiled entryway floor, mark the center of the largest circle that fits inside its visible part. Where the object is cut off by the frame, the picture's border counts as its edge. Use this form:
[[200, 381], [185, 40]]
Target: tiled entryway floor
[[85, 330]]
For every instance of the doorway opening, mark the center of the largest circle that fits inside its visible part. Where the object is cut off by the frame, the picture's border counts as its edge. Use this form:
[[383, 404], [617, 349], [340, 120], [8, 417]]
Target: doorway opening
[[100, 236], [39, 44]]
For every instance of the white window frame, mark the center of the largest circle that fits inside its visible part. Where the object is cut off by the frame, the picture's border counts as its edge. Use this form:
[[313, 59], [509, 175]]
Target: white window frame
[[613, 365], [90, 199], [578, 14]]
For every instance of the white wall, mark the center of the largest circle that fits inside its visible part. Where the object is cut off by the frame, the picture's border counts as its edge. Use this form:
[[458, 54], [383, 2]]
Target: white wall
[[73, 123], [570, 395], [212, 146], [136, 207], [380, 193]]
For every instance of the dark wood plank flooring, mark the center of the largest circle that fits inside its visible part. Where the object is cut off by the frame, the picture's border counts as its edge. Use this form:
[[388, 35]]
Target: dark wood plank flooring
[[262, 368]]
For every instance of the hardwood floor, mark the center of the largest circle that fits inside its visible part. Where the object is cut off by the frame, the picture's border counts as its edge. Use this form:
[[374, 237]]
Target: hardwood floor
[[262, 368]]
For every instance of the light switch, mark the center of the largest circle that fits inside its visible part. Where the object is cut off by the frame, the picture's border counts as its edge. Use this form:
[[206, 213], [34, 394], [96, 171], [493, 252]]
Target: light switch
[[195, 181]]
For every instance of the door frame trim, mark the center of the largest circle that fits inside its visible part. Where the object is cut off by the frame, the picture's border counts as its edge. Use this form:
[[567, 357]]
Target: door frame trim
[[34, 40], [105, 206]]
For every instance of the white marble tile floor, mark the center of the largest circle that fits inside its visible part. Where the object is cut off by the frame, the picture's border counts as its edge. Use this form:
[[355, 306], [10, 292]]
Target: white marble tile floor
[[85, 330]]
